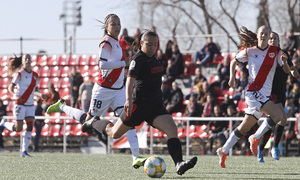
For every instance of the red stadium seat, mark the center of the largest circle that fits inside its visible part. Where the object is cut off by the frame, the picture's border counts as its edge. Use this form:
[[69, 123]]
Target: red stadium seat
[[181, 132], [44, 91], [4, 94], [62, 60], [4, 82], [94, 71], [95, 79], [10, 106], [68, 129], [55, 82], [43, 84], [4, 71], [72, 60], [64, 82], [33, 60], [45, 130], [36, 69], [4, 61], [54, 71], [219, 59], [42, 60], [192, 131], [201, 131], [76, 131], [93, 60], [44, 71], [242, 105], [65, 93], [82, 60], [84, 71], [64, 71], [55, 131], [52, 61]]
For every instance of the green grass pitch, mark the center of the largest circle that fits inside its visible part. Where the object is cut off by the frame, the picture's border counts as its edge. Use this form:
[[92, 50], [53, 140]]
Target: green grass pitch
[[118, 166]]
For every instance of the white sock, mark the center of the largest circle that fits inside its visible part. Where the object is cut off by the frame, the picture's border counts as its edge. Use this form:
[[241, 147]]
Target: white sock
[[72, 112], [133, 142], [230, 142], [263, 128], [9, 125], [26, 140]]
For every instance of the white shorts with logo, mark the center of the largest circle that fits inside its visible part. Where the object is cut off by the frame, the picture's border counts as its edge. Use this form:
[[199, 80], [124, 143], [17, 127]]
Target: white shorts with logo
[[103, 98], [21, 112], [255, 101]]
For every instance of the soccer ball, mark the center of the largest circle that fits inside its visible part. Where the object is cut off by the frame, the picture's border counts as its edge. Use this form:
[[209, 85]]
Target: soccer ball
[[155, 167]]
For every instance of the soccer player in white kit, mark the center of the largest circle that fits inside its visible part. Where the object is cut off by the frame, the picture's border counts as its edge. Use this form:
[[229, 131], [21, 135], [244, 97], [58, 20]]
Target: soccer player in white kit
[[109, 90], [26, 82], [262, 61]]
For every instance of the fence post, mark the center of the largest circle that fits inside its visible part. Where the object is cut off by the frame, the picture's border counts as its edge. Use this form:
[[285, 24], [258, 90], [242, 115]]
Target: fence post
[[187, 138], [21, 46]]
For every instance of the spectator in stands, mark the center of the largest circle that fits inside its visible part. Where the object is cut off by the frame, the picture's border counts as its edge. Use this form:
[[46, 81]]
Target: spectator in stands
[[291, 44], [199, 76], [227, 102], [3, 112], [207, 53], [109, 91], [85, 94], [123, 43], [203, 90], [171, 72], [177, 58], [176, 100], [208, 105], [38, 125], [162, 58], [193, 109], [216, 128], [75, 81], [168, 50], [26, 82], [240, 86], [223, 74], [295, 95], [297, 54], [51, 97], [137, 33]]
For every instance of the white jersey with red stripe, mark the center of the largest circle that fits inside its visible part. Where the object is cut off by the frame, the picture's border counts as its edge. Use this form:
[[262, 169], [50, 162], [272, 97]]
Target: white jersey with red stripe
[[111, 63], [22, 83], [261, 66]]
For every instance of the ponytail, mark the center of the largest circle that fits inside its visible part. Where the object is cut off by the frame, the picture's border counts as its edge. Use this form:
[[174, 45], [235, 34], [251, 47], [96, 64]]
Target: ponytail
[[248, 38], [14, 64]]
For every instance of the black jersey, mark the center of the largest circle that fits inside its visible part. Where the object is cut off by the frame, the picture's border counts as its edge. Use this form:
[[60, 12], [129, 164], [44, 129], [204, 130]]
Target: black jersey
[[280, 77], [148, 73]]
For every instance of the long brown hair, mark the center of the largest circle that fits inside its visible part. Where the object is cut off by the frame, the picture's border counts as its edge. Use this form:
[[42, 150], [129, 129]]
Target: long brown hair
[[248, 38], [14, 64], [135, 45]]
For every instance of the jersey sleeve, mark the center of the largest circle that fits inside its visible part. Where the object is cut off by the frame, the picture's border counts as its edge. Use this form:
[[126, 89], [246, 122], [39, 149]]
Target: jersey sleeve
[[105, 61], [242, 56], [135, 68]]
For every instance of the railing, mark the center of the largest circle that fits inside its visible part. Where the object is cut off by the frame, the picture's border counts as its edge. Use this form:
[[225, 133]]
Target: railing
[[187, 119]]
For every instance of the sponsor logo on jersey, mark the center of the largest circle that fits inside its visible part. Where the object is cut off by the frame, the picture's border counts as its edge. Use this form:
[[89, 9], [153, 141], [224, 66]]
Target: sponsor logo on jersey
[[132, 65]]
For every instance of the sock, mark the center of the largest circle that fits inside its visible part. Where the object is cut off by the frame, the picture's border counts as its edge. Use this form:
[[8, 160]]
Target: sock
[[174, 147], [72, 112], [277, 134], [26, 140], [233, 138], [263, 128], [100, 125], [10, 126], [133, 142], [264, 139]]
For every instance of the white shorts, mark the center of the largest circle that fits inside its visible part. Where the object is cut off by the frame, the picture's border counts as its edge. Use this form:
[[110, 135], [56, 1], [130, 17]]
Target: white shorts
[[103, 98], [21, 112], [255, 101]]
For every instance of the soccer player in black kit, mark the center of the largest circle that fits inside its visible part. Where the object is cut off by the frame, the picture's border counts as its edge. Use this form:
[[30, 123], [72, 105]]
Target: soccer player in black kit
[[278, 97], [144, 103]]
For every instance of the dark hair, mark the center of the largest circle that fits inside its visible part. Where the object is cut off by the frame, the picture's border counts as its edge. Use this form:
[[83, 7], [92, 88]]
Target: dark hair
[[248, 38], [106, 21], [277, 37], [14, 64], [136, 43]]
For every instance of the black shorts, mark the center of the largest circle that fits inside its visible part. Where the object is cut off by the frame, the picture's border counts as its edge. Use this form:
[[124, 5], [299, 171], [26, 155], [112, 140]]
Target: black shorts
[[143, 112], [278, 98]]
